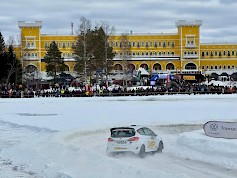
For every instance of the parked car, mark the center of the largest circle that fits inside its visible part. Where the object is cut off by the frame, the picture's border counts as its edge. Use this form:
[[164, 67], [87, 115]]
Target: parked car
[[135, 139]]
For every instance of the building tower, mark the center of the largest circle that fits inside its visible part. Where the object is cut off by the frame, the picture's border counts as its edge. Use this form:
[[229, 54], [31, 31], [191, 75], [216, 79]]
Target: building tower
[[189, 36], [30, 45]]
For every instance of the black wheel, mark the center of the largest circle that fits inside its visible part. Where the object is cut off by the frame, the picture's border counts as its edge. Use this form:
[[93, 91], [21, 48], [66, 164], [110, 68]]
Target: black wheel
[[142, 152], [160, 148]]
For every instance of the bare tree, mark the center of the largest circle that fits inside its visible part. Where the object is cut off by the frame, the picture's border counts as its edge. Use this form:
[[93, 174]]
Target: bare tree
[[11, 41], [81, 48], [108, 31], [125, 55], [14, 67]]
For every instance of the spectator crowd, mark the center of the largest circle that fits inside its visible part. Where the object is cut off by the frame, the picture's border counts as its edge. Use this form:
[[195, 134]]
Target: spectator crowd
[[174, 87]]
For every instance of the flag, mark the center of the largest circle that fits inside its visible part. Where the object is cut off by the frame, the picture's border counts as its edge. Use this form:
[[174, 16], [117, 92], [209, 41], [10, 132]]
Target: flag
[[167, 79]]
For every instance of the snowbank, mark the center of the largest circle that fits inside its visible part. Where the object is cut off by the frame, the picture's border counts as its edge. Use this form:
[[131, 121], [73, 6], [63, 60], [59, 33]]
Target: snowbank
[[196, 145], [66, 137]]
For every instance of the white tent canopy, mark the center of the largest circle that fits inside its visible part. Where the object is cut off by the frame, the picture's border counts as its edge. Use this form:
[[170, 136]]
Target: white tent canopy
[[143, 71]]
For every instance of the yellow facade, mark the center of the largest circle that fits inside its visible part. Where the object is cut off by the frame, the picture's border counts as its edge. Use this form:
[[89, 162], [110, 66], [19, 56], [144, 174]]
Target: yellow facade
[[160, 52]]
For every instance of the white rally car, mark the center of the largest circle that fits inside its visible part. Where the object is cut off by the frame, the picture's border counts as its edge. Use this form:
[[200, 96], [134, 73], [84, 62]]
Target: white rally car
[[138, 140]]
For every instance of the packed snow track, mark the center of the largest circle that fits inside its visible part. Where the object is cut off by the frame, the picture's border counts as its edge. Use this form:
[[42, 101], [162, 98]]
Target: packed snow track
[[94, 141]]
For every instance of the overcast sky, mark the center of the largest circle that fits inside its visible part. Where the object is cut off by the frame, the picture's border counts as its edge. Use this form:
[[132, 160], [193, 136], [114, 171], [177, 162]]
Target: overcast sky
[[141, 16]]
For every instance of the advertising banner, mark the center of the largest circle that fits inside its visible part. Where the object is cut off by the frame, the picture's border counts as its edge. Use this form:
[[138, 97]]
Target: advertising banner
[[221, 129], [189, 77]]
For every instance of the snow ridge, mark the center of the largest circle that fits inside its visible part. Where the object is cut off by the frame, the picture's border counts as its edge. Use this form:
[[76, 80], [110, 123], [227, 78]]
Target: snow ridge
[[28, 127]]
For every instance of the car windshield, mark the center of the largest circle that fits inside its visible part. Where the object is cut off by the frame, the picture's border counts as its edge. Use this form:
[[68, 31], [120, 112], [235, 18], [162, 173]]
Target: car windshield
[[122, 133]]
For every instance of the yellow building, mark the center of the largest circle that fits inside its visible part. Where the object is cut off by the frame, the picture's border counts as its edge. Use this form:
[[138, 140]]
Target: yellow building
[[179, 52]]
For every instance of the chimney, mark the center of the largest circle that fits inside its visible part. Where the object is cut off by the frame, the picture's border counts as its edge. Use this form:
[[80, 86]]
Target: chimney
[[72, 28]]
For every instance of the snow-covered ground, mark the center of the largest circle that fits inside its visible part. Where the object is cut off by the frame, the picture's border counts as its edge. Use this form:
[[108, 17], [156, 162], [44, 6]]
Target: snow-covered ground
[[67, 137]]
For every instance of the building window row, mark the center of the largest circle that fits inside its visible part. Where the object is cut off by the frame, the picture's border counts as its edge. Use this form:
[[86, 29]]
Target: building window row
[[219, 53], [218, 67], [30, 44], [67, 55], [61, 44], [190, 52], [190, 43], [169, 53], [146, 44], [31, 55]]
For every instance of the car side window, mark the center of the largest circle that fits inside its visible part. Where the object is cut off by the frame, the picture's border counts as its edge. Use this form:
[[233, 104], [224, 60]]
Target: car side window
[[149, 132], [146, 130], [141, 131], [152, 133]]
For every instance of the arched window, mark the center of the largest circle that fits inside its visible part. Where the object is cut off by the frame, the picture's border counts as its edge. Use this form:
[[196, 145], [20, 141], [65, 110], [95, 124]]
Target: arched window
[[131, 67], [66, 68], [190, 66], [31, 69], [164, 44], [220, 53], [156, 66], [118, 67], [144, 66], [172, 45], [170, 66]]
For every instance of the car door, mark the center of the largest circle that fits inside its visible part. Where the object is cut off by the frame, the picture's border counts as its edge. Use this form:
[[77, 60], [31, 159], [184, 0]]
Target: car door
[[151, 139]]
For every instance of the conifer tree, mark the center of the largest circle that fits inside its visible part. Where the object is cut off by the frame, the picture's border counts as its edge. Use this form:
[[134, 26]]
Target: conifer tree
[[92, 50], [3, 59], [2, 44], [13, 67], [54, 61]]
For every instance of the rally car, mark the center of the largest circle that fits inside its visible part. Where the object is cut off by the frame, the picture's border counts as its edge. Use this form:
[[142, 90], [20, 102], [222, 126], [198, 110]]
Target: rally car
[[135, 139]]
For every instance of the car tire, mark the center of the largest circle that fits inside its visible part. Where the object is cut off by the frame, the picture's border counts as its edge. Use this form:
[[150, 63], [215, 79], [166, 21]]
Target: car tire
[[160, 148], [142, 151]]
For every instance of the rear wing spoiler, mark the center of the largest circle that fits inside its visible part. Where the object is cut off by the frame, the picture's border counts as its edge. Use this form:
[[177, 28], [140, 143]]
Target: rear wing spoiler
[[120, 128]]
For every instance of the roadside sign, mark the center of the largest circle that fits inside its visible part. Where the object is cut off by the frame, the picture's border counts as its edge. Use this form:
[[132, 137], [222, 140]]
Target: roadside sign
[[220, 129]]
